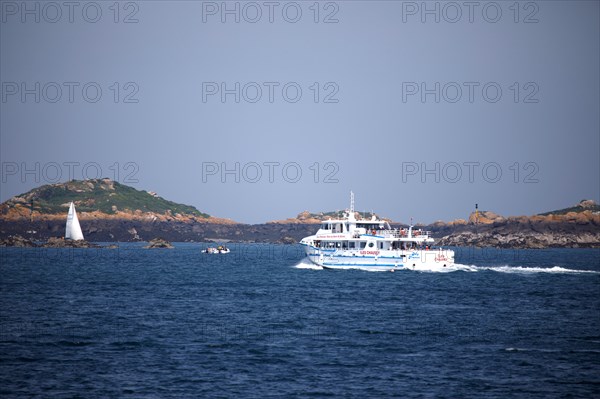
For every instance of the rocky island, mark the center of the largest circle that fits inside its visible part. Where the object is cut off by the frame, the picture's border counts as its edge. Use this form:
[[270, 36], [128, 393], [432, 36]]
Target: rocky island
[[111, 212], [574, 227]]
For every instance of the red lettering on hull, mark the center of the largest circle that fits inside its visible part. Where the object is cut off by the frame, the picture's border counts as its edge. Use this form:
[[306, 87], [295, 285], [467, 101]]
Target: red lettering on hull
[[369, 252]]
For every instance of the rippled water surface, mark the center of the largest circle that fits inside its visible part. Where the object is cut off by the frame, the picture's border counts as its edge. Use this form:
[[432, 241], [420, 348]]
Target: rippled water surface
[[261, 322]]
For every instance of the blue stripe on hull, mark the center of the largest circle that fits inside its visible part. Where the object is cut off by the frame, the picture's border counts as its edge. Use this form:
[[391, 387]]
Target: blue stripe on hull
[[362, 264], [362, 256], [362, 267]]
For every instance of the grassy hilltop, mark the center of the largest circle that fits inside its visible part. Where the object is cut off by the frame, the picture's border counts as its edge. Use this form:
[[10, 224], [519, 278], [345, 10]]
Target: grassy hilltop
[[96, 195]]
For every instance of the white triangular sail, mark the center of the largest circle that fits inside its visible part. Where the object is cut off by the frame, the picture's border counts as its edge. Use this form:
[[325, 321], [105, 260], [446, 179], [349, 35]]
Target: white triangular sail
[[73, 231]]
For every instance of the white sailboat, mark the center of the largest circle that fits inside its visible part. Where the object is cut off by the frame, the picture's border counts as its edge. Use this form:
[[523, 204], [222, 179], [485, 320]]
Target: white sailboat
[[73, 230]]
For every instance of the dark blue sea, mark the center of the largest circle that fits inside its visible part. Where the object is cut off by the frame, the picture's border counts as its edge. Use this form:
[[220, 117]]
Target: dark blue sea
[[259, 322]]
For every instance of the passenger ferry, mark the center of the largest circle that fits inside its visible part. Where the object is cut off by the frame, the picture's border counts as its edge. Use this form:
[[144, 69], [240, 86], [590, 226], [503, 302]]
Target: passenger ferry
[[350, 243]]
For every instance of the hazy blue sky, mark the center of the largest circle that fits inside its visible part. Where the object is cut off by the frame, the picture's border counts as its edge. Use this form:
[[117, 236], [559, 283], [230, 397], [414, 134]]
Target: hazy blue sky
[[499, 102]]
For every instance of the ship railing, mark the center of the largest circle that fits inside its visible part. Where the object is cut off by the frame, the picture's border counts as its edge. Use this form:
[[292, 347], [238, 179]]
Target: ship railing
[[393, 233], [403, 233], [421, 233]]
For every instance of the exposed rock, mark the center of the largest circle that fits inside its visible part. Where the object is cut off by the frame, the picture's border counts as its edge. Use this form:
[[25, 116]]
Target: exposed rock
[[485, 217], [526, 239], [288, 240], [588, 204], [134, 233], [159, 243], [55, 242], [17, 241]]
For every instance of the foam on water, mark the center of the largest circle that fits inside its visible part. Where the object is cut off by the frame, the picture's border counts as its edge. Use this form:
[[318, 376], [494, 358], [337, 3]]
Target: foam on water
[[532, 270], [442, 269], [457, 267], [307, 264], [502, 269]]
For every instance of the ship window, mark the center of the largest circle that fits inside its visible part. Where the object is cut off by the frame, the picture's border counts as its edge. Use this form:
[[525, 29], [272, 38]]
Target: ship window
[[363, 244], [370, 245], [351, 244]]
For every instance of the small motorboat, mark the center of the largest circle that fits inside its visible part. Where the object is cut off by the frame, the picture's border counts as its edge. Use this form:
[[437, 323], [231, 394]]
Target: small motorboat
[[221, 249]]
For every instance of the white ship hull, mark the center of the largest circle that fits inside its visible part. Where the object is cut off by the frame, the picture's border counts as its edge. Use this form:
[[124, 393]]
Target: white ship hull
[[381, 260]]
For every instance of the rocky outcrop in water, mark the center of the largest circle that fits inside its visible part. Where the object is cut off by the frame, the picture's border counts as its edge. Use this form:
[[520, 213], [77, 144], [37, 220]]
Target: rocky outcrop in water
[[54, 242], [17, 241], [159, 243]]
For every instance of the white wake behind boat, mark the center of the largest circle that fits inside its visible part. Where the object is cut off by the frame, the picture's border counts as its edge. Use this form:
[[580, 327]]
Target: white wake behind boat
[[348, 243], [73, 229]]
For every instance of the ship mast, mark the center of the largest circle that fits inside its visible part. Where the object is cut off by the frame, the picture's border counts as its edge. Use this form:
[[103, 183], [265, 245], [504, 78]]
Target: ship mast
[[351, 202]]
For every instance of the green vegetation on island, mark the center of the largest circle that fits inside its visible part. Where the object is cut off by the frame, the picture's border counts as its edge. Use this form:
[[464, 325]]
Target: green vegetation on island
[[103, 195], [584, 205]]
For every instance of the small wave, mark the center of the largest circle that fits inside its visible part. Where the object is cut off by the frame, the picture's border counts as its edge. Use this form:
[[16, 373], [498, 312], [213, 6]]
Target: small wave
[[531, 270], [74, 343], [307, 264], [550, 350], [516, 269], [441, 269], [511, 349]]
